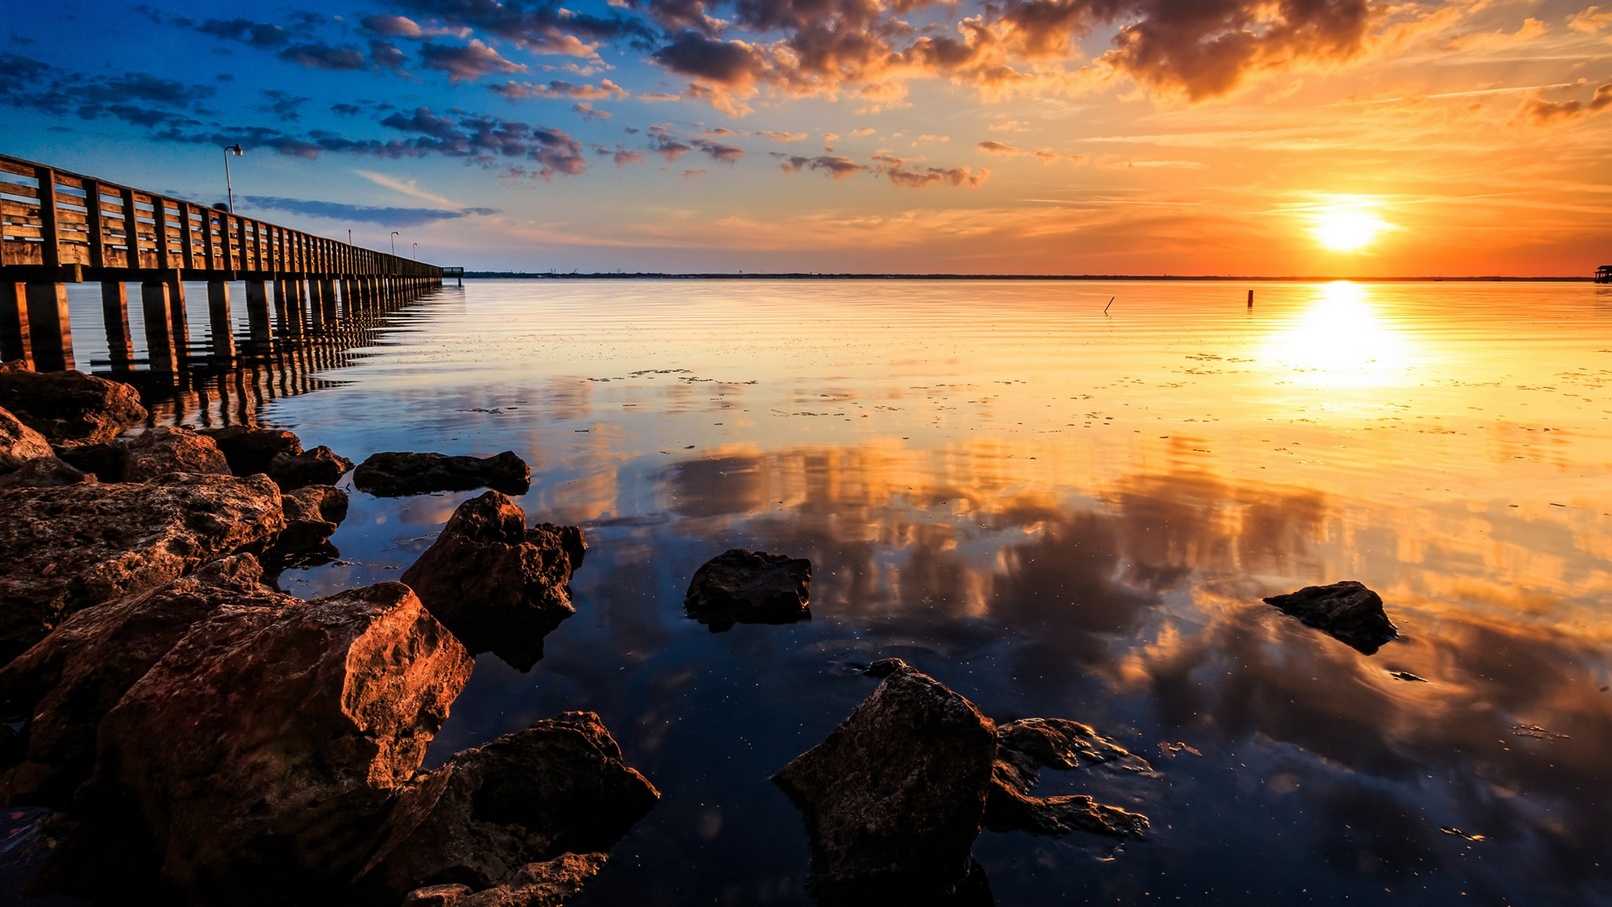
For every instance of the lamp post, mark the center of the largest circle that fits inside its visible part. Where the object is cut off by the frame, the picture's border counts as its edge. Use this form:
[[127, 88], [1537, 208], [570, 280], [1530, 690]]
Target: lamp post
[[416, 253], [395, 235], [229, 188]]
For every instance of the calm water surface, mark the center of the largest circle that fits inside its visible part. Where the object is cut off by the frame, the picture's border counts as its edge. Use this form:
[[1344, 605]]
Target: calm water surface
[[1057, 512]]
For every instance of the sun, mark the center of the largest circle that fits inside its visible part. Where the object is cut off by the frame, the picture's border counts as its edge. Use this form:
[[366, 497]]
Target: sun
[[1346, 230]]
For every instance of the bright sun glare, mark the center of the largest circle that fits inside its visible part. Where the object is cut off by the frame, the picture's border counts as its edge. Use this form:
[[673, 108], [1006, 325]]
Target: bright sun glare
[[1346, 230]]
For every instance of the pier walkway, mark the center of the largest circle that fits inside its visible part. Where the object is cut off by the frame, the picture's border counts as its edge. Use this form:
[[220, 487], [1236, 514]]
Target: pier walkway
[[58, 228]]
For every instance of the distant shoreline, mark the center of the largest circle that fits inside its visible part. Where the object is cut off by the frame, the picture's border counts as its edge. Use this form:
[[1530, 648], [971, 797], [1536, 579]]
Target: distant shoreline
[[655, 275]]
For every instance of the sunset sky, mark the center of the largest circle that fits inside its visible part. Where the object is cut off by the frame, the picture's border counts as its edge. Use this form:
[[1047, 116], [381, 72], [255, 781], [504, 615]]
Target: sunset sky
[[1153, 137]]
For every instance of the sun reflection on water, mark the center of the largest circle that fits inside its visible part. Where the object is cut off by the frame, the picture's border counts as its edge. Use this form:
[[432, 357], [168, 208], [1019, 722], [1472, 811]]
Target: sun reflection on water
[[1342, 340]]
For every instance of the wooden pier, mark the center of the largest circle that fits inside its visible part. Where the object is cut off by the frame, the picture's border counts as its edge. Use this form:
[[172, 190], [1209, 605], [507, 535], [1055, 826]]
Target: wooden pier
[[1603, 274], [58, 227]]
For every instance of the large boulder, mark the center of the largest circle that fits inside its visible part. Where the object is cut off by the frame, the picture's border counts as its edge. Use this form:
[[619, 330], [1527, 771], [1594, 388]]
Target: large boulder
[[1026, 746], [258, 757], [391, 474], [70, 408], [66, 683], [751, 587], [894, 797], [312, 515], [249, 450], [19, 443], [66, 548], [320, 466], [482, 819], [1348, 611], [499, 586], [166, 449]]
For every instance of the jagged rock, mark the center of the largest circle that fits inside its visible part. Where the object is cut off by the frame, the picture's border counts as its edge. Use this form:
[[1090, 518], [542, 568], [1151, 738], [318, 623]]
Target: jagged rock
[[166, 449], [70, 408], [19, 443], [312, 515], [258, 757], [320, 466], [107, 461], [249, 450], [392, 474], [1030, 744], [66, 683], [893, 799], [66, 548], [547, 884], [751, 587], [1347, 610], [45, 472], [483, 818], [15, 365], [499, 586]]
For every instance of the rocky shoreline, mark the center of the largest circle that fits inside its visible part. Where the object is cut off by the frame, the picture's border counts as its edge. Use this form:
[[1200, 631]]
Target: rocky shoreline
[[201, 735]]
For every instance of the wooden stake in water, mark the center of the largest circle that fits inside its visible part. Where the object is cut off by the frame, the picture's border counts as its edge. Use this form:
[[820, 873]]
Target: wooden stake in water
[[1250, 298], [1110, 302]]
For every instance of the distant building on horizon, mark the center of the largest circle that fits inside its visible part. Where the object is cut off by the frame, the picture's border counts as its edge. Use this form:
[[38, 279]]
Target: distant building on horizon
[[1603, 274]]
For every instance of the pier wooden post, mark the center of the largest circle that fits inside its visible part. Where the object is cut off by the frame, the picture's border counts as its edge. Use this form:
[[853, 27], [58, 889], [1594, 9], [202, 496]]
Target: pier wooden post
[[257, 311], [327, 296], [52, 333], [14, 340], [288, 307], [177, 317], [316, 306], [218, 319], [160, 347], [115, 315]]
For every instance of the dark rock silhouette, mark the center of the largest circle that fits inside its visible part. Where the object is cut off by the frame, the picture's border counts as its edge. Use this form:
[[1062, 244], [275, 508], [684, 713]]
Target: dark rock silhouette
[[256, 760], [19, 443], [894, 797], [165, 450], [499, 586], [66, 683], [319, 466], [557, 787], [751, 587], [548, 884], [66, 548], [393, 474], [70, 408], [45, 472], [250, 450], [107, 461], [1347, 610], [1030, 744]]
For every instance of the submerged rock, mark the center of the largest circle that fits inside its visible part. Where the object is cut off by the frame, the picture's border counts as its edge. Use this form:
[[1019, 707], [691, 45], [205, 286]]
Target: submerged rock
[[66, 548], [320, 466], [894, 797], [166, 449], [257, 758], [392, 474], [70, 408], [490, 813], [1028, 745], [499, 586], [66, 683], [19, 443], [1347, 610], [249, 450], [751, 587]]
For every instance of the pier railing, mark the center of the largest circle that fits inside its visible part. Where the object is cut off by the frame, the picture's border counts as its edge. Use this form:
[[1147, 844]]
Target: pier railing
[[55, 220], [59, 227]]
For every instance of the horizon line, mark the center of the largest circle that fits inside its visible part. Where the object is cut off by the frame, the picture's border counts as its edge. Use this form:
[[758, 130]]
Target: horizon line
[[815, 275]]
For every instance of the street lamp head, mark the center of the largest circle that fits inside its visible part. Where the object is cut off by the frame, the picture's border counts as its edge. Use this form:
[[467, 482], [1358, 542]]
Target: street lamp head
[[235, 150]]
